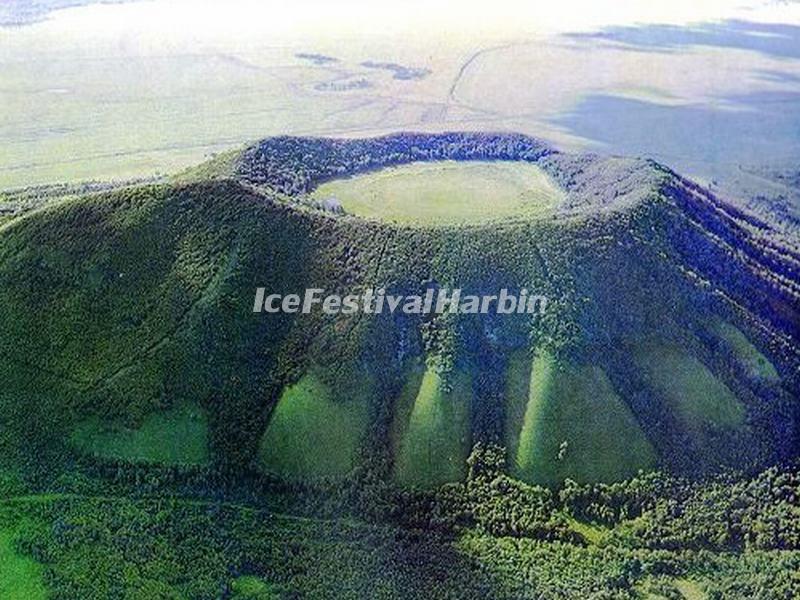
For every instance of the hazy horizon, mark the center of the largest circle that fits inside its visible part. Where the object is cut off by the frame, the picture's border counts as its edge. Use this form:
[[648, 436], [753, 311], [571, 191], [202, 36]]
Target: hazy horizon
[[112, 90]]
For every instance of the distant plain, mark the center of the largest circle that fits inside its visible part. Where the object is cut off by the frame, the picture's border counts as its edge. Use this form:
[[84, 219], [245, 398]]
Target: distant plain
[[85, 96]]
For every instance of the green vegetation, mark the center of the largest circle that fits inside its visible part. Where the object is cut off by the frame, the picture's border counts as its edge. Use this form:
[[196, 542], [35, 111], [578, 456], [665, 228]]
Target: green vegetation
[[690, 389], [252, 588], [447, 192], [745, 353], [690, 589], [158, 439], [178, 435], [490, 536], [668, 588], [20, 577], [517, 397], [433, 438], [593, 533], [314, 432], [575, 426], [174, 549], [219, 167]]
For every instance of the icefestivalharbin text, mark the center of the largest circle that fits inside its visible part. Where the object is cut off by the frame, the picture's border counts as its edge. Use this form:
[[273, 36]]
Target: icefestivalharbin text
[[371, 301]]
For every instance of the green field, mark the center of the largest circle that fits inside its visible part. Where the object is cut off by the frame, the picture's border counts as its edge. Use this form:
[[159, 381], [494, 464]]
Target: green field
[[690, 389], [175, 436], [431, 430], [745, 353], [20, 577], [517, 386], [575, 426], [249, 587], [446, 192], [312, 432]]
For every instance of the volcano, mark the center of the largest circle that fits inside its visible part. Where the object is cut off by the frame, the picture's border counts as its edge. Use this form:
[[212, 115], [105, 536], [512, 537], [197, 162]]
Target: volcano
[[671, 338]]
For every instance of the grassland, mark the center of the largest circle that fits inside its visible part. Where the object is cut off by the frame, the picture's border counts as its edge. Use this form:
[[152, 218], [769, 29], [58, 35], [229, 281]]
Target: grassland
[[103, 114], [313, 432], [20, 577], [249, 587], [516, 397], [178, 435], [220, 166], [745, 353], [575, 426], [432, 433], [447, 192], [690, 389]]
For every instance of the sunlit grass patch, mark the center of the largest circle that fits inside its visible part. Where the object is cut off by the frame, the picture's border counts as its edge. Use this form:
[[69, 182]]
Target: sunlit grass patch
[[312, 433], [434, 435], [577, 427], [447, 192], [689, 388], [20, 577]]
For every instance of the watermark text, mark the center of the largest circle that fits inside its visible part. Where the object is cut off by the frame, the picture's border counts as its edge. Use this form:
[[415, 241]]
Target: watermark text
[[372, 301]]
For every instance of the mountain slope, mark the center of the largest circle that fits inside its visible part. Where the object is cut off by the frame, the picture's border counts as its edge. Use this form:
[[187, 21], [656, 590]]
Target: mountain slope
[[129, 304]]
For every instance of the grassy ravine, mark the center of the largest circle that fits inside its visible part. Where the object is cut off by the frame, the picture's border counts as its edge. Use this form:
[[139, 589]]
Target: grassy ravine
[[576, 427], [313, 432], [447, 192], [690, 389], [744, 353], [433, 430]]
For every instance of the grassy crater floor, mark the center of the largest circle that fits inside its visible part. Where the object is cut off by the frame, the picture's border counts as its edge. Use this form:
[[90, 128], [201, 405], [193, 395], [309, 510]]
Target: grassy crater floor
[[447, 192]]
